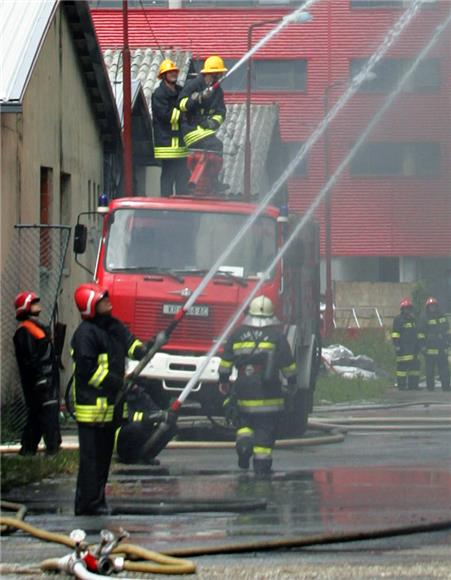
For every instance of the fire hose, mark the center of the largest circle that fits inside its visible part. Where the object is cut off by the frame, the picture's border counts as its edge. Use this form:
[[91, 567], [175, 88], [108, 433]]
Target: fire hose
[[92, 562]]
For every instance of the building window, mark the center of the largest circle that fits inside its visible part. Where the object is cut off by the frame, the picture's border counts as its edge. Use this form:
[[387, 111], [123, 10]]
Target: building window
[[398, 159], [388, 269], [279, 75], [267, 75], [389, 71], [386, 3]]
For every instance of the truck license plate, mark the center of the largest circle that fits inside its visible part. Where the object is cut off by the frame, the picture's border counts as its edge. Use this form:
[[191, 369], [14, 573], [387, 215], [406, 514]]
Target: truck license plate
[[193, 311]]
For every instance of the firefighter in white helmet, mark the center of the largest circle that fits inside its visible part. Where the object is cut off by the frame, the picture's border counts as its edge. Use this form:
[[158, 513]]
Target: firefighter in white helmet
[[260, 351]]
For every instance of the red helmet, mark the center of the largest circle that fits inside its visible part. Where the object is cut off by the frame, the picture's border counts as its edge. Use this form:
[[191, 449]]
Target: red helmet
[[406, 303], [86, 297], [431, 300], [23, 302]]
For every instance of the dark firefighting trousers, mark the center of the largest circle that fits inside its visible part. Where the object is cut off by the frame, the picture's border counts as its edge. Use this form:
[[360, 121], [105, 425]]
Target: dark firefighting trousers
[[174, 177], [439, 360], [407, 371], [256, 437], [96, 449], [42, 421]]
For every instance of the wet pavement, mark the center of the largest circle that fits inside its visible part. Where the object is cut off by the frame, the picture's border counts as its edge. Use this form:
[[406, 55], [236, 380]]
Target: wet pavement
[[372, 480]]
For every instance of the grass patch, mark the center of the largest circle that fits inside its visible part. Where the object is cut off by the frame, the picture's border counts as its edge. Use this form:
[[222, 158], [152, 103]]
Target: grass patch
[[372, 342], [336, 389], [17, 470]]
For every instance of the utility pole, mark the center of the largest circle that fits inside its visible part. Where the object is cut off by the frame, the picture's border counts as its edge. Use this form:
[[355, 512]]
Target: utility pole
[[127, 106]]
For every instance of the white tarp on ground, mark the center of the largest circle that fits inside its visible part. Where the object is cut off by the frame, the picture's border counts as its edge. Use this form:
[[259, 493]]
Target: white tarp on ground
[[341, 361]]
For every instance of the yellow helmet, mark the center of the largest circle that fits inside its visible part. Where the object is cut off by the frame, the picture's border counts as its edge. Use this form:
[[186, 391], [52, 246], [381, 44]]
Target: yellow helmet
[[167, 66], [261, 306], [214, 64]]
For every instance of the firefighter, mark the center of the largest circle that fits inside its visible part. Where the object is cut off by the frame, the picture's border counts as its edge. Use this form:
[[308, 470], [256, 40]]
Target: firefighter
[[168, 141], [143, 416], [259, 350], [38, 368], [435, 338], [100, 346], [405, 340], [201, 103]]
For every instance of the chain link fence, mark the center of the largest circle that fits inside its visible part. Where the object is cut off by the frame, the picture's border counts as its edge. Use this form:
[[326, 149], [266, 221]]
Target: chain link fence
[[36, 263]]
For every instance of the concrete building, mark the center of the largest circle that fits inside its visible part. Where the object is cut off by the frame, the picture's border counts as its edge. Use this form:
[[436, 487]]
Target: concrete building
[[60, 143]]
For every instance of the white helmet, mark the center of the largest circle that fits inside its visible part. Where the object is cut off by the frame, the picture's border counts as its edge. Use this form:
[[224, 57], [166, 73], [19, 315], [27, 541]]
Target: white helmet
[[261, 313], [261, 306]]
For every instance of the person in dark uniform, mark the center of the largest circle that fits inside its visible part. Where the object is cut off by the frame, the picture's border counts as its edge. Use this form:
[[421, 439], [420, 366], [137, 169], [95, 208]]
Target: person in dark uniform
[[259, 350], [435, 338], [169, 146], [405, 340], [38, 368], [203, 111], [100, 346]]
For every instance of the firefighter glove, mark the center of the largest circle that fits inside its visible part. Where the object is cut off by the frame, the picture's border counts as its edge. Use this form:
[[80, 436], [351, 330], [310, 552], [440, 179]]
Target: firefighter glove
[[210, 124], [230, 411], [196, 97], [206, 93]]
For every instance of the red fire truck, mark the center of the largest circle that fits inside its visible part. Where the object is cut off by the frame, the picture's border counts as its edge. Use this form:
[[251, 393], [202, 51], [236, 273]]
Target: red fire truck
[[153, 254]]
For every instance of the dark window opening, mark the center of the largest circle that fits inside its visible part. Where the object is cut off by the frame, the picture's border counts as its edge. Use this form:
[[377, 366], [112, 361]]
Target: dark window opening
[[388, 72], [400, 159], [389, 269]]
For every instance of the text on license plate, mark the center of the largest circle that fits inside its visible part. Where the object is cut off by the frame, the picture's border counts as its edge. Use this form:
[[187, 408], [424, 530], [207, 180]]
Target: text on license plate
[[193, 311]]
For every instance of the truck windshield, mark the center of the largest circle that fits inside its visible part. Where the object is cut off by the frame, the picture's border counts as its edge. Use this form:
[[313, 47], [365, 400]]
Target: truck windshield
[[169, 240]]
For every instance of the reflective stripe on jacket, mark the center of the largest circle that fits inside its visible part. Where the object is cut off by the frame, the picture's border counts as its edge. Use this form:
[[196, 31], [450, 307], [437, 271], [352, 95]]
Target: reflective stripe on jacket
[[255, 352], [194, 113], [99, 349], [168, 140]]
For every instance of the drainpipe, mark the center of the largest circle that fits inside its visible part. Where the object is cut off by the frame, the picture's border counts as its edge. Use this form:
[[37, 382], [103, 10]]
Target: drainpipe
[[127, 106]]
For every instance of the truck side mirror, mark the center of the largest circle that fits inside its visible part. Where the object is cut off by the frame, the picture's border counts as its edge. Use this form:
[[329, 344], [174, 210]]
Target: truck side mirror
[[80, 238]]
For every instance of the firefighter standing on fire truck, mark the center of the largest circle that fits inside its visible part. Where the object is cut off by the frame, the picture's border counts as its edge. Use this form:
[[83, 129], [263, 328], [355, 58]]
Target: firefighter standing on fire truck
[[38, 368], [201, 103], [435, 338], [100, 346], [405, 340], [168, 141], [258, 350]]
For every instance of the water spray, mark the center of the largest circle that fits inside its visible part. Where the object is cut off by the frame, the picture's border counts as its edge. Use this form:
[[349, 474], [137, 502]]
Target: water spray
[[166, 431]]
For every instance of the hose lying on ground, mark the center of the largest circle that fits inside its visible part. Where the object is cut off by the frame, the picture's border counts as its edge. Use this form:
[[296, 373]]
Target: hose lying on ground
[[312, 540], [155, 563]]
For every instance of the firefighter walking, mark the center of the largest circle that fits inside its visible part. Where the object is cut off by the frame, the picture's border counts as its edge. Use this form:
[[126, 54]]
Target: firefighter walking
[[435, 338], [405, 340], [38, 368], [100, 346], [259, 351], [169, 146], [203, 109]]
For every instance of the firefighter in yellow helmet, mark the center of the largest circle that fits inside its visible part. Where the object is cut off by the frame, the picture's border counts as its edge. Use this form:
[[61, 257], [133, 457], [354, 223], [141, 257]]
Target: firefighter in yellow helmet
[[201, 103], [260, 351], [169, 146]]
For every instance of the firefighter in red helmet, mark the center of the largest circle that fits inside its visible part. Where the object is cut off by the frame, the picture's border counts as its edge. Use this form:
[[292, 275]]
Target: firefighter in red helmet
[[100, 346], [435, 338], [38, 368], [405, 340]]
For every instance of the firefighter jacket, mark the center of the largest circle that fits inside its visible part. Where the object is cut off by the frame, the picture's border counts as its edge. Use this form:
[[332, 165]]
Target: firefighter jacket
[[37, 363], [195, 114], [434, 333], [168, 140], [99, 349], [405, 337], [258, 354]]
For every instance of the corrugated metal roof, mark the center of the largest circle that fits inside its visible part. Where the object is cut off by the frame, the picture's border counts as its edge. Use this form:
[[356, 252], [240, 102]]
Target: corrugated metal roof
[[23, 25], [145, 63]]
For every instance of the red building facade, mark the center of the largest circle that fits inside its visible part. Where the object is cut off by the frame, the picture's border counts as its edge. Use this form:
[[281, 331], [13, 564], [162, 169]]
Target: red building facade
[[391, 209]]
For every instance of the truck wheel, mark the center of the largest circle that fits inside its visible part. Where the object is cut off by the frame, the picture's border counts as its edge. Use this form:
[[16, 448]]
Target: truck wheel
[[293, 423]]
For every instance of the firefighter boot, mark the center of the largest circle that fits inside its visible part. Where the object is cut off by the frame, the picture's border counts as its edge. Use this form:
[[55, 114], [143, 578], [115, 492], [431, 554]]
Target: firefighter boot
[[262, 466], [244, 446]]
